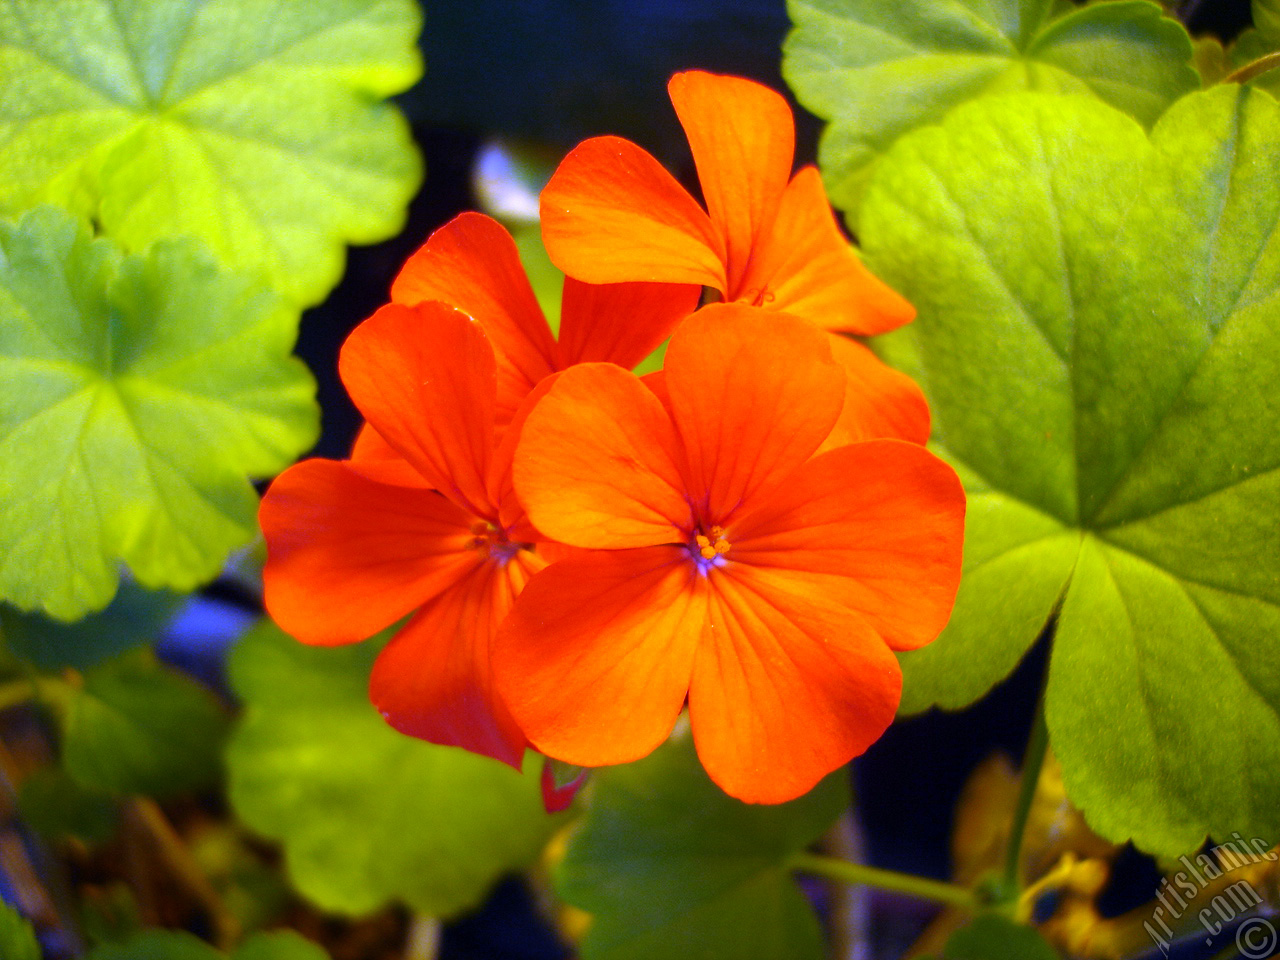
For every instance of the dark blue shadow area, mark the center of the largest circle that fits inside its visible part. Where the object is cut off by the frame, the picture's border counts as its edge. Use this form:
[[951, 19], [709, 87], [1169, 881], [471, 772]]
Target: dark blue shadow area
[[507, 927], [908, 783], [562, 70]]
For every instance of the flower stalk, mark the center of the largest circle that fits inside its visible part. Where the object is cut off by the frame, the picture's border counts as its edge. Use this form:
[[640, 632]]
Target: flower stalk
[[1032, 761], [924, 888]]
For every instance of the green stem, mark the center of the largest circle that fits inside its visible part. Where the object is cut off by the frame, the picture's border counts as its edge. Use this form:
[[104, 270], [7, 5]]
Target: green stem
[[857, 873], [1258, 67], [1032, 761]]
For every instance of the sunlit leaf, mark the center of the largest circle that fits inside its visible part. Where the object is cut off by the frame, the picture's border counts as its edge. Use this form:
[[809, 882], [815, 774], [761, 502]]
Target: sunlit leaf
[[367, 815], [136, 726], [877, 69], [1098, 340], [259, 127], [137, 396], [1017, 561], [669, 866]]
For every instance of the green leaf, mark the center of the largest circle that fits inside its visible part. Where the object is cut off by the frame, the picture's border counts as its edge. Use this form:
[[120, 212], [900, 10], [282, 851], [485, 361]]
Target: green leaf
[[280, 945], [991, 936], [367, 815], [1212, 60], [257, 127], [137, 395], [1266, 17], [158, 945], [179, 945], [1097, 337], [1131, 635], [134, 617], [669, 866], [51, 802], [136, 726], [17, 938], [1017, 562], [877, 69]]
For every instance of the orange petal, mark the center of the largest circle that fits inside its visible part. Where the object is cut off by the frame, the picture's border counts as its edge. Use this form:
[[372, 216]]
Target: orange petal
[[743, 140], [424, 377], [348, 555], [472, 263], [610, 214], [786, 688], [369, 445], [597, 463], [753, 394], [875, 526], [657, 384], [373, 457], [434, 680], [620, 323], [805, 266], [595, 659], [879, 401], [553, 551], [501, 482]]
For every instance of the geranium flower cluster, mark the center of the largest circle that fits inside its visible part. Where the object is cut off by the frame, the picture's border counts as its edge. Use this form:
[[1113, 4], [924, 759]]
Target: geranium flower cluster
[[751, 532]]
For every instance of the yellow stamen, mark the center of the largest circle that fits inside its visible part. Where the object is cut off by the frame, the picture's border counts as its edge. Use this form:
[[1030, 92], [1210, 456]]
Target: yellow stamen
[[712, 544]]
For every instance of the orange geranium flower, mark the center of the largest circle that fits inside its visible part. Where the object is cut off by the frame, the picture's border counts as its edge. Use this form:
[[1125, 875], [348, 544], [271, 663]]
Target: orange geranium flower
[[612, 213], [426, 523], [729, 565]]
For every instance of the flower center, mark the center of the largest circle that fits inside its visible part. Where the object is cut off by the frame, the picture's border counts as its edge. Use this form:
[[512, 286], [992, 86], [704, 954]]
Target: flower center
[[493, 540], [759, 298], [708, 549]]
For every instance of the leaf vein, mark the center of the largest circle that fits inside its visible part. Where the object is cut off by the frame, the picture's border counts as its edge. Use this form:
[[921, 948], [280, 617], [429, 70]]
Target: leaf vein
[[995, 273]]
